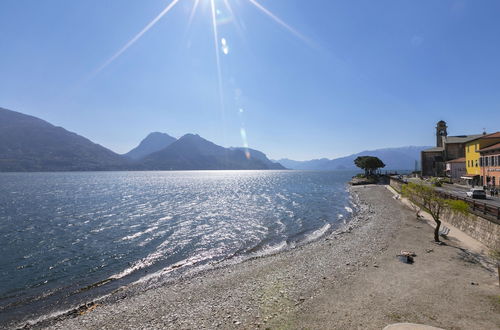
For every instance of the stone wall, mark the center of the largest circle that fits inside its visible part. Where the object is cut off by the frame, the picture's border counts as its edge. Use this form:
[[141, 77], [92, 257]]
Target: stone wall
[[432, 163], [396, 184], [455, 150], [482, 228]]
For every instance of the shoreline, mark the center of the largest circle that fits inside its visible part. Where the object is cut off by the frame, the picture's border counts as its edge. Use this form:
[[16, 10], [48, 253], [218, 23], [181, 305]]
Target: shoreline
[[297, 288], [156, 279]]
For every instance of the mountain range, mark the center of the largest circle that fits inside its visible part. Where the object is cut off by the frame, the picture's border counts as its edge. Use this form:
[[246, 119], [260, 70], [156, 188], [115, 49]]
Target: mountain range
[[192, 152], [403, 158], [28, 143]]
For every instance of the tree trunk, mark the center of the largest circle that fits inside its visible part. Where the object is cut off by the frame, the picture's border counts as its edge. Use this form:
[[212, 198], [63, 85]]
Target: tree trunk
[[436, 230]]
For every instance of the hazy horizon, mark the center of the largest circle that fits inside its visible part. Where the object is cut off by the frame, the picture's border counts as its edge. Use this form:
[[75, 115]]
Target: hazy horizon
[[298, 80]]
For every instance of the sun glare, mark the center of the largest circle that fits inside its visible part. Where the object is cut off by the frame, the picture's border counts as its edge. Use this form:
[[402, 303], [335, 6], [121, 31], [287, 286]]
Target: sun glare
[[136, 37], [221, 13], [218, 17]]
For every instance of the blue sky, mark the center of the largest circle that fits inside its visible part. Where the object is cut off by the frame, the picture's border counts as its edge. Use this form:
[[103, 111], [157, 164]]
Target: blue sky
[[340, 77]]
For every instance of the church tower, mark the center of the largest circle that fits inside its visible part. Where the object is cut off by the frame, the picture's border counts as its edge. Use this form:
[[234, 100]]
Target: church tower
[[441, 132]]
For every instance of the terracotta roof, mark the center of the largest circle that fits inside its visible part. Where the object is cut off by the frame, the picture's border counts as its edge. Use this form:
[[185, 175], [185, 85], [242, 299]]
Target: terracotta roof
[[495, 135], [458, 160], [493, 147]]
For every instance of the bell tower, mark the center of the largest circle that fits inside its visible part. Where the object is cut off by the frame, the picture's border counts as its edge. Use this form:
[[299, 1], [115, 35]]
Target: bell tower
[[441, 131]]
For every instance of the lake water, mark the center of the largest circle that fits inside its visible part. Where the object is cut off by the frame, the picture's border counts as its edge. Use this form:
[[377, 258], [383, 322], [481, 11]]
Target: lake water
[[63, 234]]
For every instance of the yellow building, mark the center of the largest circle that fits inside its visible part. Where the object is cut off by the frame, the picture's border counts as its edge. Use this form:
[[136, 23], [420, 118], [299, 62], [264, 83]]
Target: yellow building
[[472, 148]]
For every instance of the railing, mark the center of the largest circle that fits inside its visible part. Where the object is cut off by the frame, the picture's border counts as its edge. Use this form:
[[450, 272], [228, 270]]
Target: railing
[[483, 208], [475, 206]]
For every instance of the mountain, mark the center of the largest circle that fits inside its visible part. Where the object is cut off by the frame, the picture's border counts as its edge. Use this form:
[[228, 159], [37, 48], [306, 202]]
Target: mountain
[[256, 154], [153, 142], [305, 165], [28, 143], [402, 158], [192, 152]]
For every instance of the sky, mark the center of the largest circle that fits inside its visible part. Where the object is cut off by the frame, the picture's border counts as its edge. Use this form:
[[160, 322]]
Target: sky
[[295, 79]]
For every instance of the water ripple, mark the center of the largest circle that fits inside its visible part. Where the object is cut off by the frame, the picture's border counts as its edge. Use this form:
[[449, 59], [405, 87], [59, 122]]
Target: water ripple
[[70, 232]]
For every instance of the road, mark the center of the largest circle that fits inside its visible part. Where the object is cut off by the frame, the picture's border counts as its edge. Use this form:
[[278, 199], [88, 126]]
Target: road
[[460, 191]]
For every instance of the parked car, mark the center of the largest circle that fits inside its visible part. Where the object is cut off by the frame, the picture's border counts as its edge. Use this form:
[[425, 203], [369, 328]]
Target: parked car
[[476, 193]]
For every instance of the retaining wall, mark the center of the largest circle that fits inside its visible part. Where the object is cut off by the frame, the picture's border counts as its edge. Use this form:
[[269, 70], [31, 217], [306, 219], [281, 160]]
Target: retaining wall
[[481, 227]]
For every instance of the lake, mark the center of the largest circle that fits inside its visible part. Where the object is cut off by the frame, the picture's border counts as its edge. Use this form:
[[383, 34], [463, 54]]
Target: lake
[[67, 238]]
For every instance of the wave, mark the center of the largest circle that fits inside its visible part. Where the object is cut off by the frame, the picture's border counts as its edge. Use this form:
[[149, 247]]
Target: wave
[[139, 234], [140, 264], [317, 233]]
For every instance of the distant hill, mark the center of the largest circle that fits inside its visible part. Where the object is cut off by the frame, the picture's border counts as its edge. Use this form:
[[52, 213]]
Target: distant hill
[[192, 152], [152, 143], [256, 154], [314, 164], [28, 143], [402, 158]]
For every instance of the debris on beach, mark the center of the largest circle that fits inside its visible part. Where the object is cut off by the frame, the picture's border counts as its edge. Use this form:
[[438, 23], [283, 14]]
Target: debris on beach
[[86, 308], [406, 256]]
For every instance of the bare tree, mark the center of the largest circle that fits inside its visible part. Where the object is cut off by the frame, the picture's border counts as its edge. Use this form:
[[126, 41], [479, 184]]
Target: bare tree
[[429, 200]]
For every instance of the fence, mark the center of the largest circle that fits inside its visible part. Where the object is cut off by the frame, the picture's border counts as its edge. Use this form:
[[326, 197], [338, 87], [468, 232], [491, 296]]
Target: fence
[[477, 207]]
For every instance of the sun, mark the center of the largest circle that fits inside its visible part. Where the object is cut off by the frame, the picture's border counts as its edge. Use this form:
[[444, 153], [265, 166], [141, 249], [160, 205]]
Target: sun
[[221, 46], [215, 18]]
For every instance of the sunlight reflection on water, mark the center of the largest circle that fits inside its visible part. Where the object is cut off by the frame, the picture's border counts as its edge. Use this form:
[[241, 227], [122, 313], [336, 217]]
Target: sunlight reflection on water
[[70, 230]]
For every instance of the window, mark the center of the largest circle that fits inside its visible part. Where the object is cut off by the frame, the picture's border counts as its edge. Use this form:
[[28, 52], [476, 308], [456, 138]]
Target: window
[[481, 161], [486, 161], [477, 165]]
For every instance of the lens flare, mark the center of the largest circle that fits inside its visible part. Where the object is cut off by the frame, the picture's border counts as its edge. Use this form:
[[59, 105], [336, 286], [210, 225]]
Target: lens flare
[[217, 57], [224, 46], [243, 134], [279, 21], [135, 38], [193, 11]]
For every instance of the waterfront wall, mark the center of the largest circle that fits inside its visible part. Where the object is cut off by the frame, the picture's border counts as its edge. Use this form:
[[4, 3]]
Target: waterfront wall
[[396, 184], [482, 227], [484, 230]]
